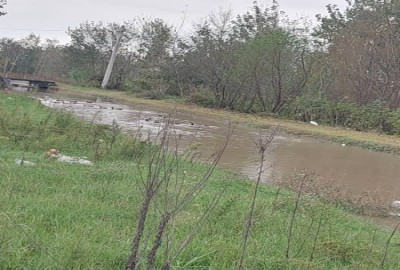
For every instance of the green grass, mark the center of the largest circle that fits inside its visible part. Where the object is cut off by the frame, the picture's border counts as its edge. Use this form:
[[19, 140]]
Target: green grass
[[65, 216]]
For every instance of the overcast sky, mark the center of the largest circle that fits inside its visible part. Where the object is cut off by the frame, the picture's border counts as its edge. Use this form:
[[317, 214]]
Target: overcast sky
[[42, 17]]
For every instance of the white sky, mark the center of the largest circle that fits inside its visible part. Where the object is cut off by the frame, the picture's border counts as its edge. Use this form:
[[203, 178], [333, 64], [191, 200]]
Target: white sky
[[42, 15]]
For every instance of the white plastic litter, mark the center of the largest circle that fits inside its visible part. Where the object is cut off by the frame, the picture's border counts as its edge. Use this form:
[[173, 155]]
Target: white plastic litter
[[24, 162], [395, 206], [68, 159], [313, 123]]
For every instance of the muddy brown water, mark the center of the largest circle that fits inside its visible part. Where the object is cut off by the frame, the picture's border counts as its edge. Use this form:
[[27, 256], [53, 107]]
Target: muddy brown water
[[355, 170]]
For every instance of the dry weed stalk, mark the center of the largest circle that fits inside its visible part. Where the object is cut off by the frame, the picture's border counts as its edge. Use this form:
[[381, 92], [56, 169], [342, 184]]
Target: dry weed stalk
[[387, 245], [164, 187], [300, 189], [263, 142]]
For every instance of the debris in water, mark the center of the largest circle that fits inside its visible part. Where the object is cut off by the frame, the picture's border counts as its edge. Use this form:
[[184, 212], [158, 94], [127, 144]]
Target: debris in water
[[395, 206], [313, 123], [54, 153]]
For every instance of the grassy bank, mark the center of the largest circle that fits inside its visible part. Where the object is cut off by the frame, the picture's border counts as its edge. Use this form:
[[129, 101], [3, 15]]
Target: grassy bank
[[367, 140], [56, 215]]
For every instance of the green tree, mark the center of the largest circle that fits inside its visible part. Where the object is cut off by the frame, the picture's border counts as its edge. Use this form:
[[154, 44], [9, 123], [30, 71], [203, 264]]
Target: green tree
[[257, 21], [11, 51], [254, 62], [50, 63], [363, 51], [155, 39], [20, 56], [90, 49], [211, 58], [277, 66]]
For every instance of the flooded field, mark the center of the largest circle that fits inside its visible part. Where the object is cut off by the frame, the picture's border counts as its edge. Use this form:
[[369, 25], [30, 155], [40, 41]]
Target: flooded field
[[352, 169]]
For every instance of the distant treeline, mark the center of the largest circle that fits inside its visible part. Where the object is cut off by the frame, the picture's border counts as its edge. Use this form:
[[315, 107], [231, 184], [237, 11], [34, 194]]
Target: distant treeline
[[343, 71]]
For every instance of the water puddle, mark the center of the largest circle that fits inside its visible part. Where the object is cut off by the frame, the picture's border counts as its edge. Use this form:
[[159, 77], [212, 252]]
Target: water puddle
[[357, 170]]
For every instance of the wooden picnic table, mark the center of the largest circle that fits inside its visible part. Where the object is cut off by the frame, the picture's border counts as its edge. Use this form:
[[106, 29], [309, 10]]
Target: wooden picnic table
[[18, 84]]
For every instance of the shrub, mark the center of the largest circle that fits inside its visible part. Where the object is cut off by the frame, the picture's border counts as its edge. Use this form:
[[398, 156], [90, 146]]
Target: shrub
[[375, 116]]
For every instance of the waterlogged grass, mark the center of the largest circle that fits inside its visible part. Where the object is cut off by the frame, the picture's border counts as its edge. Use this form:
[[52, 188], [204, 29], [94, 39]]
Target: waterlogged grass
[[69, 216]]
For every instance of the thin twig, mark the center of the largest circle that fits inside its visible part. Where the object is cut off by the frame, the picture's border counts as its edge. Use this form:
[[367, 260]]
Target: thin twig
[[292, 220], [262, 145], [316, 238], [387, 245]]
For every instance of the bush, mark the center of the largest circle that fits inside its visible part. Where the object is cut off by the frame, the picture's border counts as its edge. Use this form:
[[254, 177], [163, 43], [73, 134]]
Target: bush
[[202, 98], [375, 116]]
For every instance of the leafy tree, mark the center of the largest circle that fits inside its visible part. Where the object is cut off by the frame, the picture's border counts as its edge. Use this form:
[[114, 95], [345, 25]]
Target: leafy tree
[[155, 40], [364, 51], [256, 21], [11, 52], [252, 63], [50, 63], [211, 58], [20, 56], [329, 26], [33, 50], [90, 50], [278, 68]]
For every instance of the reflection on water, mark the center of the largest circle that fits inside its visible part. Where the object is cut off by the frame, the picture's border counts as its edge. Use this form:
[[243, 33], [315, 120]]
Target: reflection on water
[[356, 169]]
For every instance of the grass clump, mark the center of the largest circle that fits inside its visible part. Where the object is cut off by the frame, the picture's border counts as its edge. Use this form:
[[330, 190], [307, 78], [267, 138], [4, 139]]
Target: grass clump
[[69, 216], [29, 126]]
